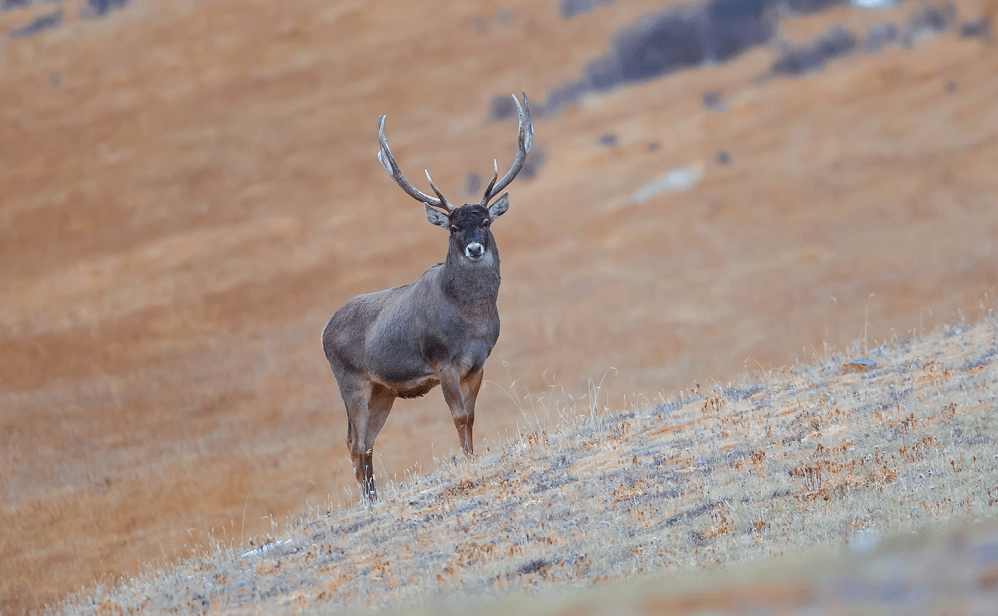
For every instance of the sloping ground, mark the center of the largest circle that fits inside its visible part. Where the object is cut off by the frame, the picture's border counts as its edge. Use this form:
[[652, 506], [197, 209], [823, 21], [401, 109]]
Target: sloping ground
[[843, 452], [943, 571], [189, 191]]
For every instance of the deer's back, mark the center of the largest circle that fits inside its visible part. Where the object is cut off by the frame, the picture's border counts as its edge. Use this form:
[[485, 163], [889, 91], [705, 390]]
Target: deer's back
[[378, 335]]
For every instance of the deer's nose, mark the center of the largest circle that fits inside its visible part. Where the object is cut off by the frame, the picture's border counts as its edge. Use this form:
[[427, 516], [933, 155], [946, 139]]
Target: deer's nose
[[474, 251]]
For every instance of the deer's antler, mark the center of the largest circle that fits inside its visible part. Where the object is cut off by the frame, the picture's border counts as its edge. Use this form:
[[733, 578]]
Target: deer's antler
[[524, 144], [525, 141], [392, 167]]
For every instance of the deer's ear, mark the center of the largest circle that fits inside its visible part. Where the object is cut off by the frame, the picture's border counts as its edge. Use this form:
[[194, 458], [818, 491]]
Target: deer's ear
[[436, 217], [499, 208]]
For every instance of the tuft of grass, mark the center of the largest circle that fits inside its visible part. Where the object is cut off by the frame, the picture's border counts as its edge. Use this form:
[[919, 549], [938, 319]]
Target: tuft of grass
[[838, 454]]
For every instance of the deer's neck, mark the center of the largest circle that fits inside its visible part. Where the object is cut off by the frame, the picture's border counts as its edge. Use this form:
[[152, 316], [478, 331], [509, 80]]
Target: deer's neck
[[472, 286]]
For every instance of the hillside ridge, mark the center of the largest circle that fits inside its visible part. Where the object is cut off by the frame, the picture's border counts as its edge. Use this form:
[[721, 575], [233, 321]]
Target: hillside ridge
[[843, 452]]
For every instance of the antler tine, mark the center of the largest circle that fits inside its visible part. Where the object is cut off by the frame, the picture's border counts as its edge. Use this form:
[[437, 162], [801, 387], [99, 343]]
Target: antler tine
[[524, 143], [444, 203], [392, 167], [485, 198]]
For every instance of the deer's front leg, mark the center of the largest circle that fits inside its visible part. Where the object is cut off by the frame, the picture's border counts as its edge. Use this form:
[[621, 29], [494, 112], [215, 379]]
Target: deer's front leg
[[470, 385], [456, 393]]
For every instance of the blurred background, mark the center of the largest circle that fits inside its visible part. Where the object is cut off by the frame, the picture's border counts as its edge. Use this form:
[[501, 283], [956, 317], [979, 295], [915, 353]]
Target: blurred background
[[189, 190]]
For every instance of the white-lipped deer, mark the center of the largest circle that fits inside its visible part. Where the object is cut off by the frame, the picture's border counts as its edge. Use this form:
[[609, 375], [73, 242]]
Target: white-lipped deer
[[403, 342]]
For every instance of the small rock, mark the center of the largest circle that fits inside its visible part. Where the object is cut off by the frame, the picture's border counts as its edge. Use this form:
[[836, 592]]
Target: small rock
[[860, 364], [472, 184], [714, 101], [677, 180], [608, 140], [976, 28]]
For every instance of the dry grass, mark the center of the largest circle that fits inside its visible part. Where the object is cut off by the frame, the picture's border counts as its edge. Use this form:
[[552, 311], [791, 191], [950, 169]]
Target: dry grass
[[845, 451], [189, 192]]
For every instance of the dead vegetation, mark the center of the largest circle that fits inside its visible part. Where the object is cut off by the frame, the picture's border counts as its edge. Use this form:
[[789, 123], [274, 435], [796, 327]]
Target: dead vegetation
[[800, 457], [174, 231]]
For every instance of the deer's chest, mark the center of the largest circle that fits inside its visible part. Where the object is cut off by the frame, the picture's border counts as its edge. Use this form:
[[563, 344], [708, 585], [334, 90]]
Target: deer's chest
[[457, 341]]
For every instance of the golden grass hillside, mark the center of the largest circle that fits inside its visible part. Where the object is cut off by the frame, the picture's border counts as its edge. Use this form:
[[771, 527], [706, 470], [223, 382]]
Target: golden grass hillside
[[188, 191], [846, 451]]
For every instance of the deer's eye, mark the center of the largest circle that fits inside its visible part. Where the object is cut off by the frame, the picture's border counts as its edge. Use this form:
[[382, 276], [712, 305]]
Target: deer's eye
[[485, 222], [455, 228]]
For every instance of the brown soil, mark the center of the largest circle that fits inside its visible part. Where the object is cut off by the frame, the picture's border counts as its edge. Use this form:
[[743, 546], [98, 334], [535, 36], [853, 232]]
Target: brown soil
[[196, 193]]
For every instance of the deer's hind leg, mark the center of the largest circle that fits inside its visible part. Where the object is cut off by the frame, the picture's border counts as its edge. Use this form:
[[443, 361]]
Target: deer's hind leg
[[368, 405]]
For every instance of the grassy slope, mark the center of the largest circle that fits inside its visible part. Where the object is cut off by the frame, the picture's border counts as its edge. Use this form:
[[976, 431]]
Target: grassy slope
[[821, 455], [190, 192]]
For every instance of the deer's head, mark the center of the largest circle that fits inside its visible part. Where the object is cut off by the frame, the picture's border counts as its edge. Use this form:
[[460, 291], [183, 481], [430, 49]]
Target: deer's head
[[468, 224]]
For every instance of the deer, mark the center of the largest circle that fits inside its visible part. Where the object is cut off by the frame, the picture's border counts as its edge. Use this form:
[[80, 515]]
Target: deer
[[439, 330]]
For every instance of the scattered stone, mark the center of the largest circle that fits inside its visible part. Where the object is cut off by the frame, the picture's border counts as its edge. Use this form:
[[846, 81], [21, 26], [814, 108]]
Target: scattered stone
[[479, 24], [608, 140], [714, 101], [567, 94], [9, 5], [574, 8], [93, 9], [929, 23], [502, 107], [880, 35], [678, 180], [860, 364], [976, 28], [96, 9], [797, 62], [472, 184], [809, 7], [535, 160], [534, 566], [38, 24], [835, 42], [602, 73]]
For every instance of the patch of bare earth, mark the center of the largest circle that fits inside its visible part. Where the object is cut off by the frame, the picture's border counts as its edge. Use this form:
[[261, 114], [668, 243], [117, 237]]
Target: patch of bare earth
[[188, 190], [847, 451]]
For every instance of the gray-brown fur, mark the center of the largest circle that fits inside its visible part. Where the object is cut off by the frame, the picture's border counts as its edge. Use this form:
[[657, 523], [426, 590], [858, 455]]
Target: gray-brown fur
[[403, 342]]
